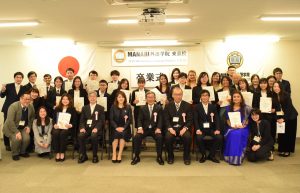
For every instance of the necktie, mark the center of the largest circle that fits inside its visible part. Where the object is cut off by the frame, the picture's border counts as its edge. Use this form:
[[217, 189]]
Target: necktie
[[177, 106], [17, 89], [57, 91], [150, 110]]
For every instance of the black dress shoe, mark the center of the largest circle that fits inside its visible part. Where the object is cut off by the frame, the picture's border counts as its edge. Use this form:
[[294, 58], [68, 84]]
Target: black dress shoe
[[57, 159], [62, 159], [25, 155], [213, 159], [187, 162], [202, 159], [286, 154], [160, 161], [135, 160], [82, 159], [15, 157], [95, 159], [170, 160], [8, 148]]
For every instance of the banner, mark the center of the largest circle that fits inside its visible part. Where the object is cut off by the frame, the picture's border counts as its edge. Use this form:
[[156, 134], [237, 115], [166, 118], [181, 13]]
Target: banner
[[149, 57], [151, 76]]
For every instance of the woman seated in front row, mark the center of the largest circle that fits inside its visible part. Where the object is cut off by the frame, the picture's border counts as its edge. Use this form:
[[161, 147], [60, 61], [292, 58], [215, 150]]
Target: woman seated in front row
[[261, 141]]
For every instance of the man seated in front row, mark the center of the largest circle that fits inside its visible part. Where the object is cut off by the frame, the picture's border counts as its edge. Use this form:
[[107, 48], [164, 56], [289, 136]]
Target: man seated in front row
[[18, 124], [149, 124], [91, 123], [207, 123], [178, 120]]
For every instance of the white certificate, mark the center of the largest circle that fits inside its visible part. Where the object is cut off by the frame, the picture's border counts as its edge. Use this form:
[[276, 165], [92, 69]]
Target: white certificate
[[127, 93], [57, 100], [92, 85], [187, 95], [211, 91], [223, 96], [235, 119], [280, 127], [78, 103], [63, 119], [68, 86], [141, 97], [157, 94], [103, 102], [42, 90], [248, 97], [265, 104], [111, 87]]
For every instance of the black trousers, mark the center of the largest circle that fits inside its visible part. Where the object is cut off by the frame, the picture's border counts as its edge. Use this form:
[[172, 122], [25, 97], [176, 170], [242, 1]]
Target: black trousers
[[138, 138], [187, 140], [287, 140], [83, 139], [5, 139], [261, 154], [60, 140], [215, 143]]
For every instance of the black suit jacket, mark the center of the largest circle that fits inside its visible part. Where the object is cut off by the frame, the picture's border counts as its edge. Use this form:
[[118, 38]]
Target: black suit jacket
[[82, 93], [286, 105], [74, 116], [117, 117], [51, 100], [264, 132], [170, 112], [144, 119], [11, 96], [172, 88], [109, 103], [25, 88], [286, 86], [201, 117], [86, 115]]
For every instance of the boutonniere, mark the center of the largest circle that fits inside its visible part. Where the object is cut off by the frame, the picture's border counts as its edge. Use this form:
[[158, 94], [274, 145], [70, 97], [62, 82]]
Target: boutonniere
[[155, 115], [96, 115], [183, 116], [125, 117], [212, 117]]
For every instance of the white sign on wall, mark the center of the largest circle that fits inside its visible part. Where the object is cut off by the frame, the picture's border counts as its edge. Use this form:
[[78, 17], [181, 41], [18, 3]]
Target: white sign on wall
[[151, 76], [149, 57]]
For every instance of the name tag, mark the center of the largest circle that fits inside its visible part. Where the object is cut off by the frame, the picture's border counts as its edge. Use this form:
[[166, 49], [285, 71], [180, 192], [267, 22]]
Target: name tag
[[175, 119], [22, 123], [257, 139], [279, 113], [206, 125], [89, 121]]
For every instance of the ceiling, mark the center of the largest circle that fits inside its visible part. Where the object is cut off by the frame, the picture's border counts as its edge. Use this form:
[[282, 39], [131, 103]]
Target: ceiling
[[85, 20]]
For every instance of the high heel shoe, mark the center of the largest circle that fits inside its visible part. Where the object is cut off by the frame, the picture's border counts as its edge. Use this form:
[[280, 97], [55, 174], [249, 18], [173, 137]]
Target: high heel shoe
[[119, 161], [57, 159], [114, 161], [286, 154], [62, 159]]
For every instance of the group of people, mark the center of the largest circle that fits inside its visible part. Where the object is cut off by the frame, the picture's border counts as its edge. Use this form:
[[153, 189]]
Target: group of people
[[35, 118]]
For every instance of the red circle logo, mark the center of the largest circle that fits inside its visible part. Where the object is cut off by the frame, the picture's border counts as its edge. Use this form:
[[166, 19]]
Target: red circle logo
[[68, 62]]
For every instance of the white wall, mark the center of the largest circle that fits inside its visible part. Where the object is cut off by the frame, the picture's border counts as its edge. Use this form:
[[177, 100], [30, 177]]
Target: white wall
[[283, 54]]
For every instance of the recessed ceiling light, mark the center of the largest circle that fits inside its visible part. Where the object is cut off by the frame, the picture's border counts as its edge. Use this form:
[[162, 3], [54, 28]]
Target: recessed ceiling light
[[178, 20], [35, 42], [18, 23], [280, 18], [151, 43]]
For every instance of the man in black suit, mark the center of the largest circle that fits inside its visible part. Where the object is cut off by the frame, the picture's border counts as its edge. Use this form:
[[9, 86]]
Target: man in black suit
[[236, 77], [182, 84], [67, 84], [114, 74], [91, 124], [207, 123], [277, 72], [178, 119], [149, 124], [102, 92], [32, 82], [47, 80], [12, 93]]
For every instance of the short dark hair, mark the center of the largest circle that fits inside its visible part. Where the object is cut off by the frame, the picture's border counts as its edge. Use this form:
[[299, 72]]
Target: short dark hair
[[114, 72], [182, 74], [116, 103], [47, 75], [93, 72], [253, 76], [263, 80], [31, 73], [231, 66], [18, 74], [103, 81], [70, 69], [141, 80], [204, 91], [277, 70], [27, 92], [35, 90], [256, 111], [60, 78]]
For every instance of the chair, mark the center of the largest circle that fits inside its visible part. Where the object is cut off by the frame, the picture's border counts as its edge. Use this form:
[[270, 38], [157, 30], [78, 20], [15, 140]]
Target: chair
[[207, 140]]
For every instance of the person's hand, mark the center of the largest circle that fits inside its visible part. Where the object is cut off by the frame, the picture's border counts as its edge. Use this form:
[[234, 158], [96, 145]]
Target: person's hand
[[140, 131], [255, 147], [95, 130], [136, 101], [280, 121], [27, 130], [19, 136], [82, 130], [46, 145], [199, 132], [55, 126], [157, 131], [272, 110], [69, 126], [182, 131], [3, 88], [172, 131], [120, 129], [217, 132]]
